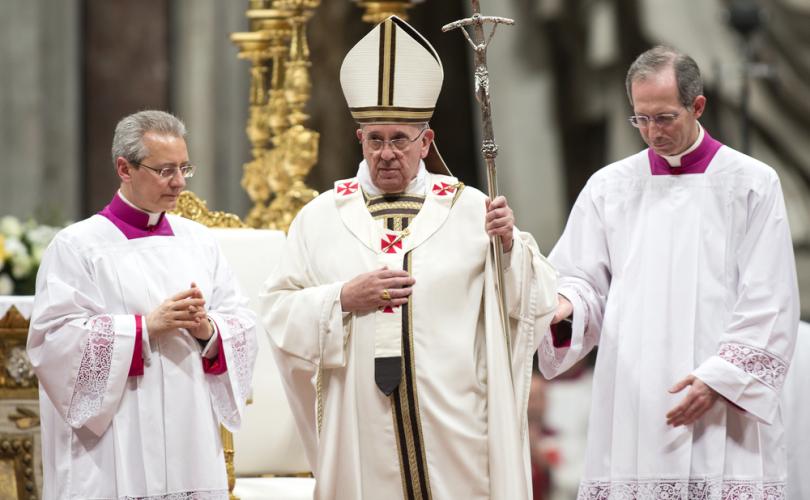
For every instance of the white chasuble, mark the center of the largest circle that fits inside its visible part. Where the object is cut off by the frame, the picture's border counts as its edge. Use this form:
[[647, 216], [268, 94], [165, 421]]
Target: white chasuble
[[677, 272], [454, 425], [124, 418]]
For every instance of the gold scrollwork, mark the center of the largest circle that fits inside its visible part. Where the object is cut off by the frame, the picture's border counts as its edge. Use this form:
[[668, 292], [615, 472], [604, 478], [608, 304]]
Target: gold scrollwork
[[283, 149], [24, 418], [377, 12], [17, 467], [190, 206], [17, 378]]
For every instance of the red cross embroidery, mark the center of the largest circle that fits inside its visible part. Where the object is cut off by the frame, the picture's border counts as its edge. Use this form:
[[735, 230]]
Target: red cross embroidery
[[388, 309], [443, 189], [347, 188], [391, 243]]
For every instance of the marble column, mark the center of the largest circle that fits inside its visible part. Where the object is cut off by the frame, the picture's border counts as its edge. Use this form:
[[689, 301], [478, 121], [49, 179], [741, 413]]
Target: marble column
[[209, 91], [39, 109]]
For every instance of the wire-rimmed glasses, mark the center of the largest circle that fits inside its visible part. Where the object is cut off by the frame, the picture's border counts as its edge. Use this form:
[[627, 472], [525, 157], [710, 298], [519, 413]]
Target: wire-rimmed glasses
[[169, 172], [661, 120], [399, 144]]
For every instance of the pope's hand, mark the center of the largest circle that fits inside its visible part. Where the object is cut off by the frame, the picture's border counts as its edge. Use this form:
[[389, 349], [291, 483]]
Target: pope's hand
[[564, 309], [500, 221], [181, 310], [380, 288], [697, 402]]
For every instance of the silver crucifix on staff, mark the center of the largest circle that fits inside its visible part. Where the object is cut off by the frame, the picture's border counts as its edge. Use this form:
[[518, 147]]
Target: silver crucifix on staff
[[479, 42]]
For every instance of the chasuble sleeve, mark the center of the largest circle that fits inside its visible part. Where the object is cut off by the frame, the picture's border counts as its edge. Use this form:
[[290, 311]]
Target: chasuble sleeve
[[582, 260], [531, 289], [303, 317], [236, 327], [757, 345], [81, 352]]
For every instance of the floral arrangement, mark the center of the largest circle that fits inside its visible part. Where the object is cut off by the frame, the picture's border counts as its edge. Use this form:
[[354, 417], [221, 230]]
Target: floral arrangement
[[21, 249]]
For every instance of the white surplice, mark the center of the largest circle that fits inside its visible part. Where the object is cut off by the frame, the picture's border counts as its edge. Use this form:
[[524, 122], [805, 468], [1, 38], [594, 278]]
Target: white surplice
[[470, 437], [674, 275], [107, 435]]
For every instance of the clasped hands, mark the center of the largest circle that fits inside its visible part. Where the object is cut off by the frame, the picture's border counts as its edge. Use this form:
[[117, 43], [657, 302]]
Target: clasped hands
[[184, 309], [386, 287]]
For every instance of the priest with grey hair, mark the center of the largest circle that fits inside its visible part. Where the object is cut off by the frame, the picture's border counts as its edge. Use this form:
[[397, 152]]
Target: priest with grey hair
[[383, 312], [140, 337], [677, 262]]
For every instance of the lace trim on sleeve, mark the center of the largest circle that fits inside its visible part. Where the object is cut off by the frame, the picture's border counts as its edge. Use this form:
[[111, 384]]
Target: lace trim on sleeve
[[244, 352], [94, 371], [243, 346], [766, 367], [186, 495], [691, 489]]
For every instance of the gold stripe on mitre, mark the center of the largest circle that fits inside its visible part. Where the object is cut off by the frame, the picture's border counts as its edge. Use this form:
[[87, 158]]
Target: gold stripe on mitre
[[391, 114]]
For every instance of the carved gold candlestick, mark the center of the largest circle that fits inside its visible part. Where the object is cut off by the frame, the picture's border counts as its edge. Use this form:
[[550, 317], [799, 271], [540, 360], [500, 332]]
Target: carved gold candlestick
[[296, 148], [377, 12], [254, 46]]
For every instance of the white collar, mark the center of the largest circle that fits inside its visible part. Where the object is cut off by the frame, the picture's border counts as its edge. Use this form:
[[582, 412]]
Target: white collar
[[675, 160], [154, 217], [417, 186]]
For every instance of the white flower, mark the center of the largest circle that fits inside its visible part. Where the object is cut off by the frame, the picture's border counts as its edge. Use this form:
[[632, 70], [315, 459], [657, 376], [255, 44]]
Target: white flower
[[21, 265], [40, 236], [6, 284], [10, 226], [14, 247]]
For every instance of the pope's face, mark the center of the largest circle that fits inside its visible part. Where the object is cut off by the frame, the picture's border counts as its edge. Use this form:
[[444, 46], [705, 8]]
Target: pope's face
[[392, 168], [145, 188], [658, 95]]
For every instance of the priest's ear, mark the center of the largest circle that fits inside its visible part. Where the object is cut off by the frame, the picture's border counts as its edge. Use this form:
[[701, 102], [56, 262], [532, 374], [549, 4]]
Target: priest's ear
[[124, 169], [698, 106], [427, 139]]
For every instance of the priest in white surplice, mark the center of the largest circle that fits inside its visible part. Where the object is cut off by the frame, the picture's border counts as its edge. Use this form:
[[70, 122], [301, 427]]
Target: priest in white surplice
[[383, 312], [677, 261], [140, 337]]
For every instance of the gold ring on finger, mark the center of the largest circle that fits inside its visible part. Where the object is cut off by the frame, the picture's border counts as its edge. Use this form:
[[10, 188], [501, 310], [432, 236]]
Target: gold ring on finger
[[385, 295]]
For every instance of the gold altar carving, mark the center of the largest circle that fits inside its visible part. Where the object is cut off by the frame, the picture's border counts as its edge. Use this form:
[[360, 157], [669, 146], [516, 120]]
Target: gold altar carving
[[17, 467], [17, 382], [283, 149], [17, 379], [377, 12], [190, 206]]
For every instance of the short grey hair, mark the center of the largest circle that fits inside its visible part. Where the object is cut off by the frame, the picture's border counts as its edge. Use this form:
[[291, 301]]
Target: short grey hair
[[659, 58], [128, 138]]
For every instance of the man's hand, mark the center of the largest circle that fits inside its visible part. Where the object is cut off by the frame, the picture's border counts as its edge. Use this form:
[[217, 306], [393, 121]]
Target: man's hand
[[564, 309], [203, 330], [369, 291], [500, 221], [698, 401], [181, 310]]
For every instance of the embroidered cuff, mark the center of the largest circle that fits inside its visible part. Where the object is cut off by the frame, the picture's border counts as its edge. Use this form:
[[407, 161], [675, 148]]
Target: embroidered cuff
[[136, 367]]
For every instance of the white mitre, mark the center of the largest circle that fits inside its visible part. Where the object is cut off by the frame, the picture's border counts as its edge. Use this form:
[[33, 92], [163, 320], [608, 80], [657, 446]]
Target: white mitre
[[393, 75]]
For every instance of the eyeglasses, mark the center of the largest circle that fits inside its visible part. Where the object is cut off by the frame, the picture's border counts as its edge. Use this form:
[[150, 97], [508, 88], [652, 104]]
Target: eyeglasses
[[169, 172], [662, 120], [399, 144]]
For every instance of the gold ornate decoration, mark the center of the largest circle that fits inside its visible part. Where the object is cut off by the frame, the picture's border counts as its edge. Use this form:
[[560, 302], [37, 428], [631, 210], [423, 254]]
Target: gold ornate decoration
[[17, 378], [378, 11], [190, 206], [25, 418], [283, 149], [227, 447], [17, 467]]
